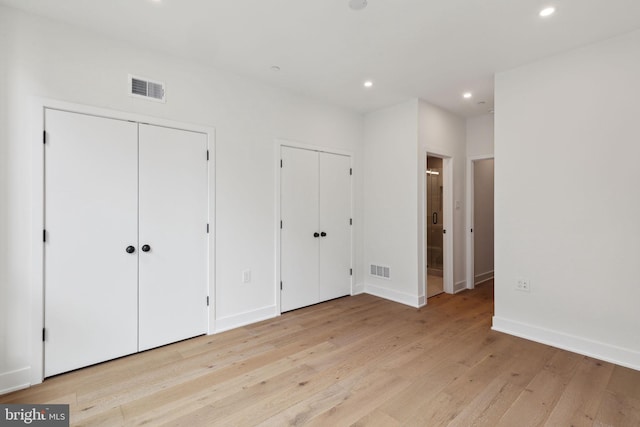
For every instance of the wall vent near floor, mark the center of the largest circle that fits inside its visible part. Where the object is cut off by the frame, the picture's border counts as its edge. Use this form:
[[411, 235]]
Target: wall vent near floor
[[380, 271], [141, 87]]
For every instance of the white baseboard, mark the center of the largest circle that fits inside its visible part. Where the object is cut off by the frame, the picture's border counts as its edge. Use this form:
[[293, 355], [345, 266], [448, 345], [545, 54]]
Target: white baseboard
[[392, 295], [246, 318], [596, 349], [14, 380], [460, 286], [483, 277], [358, 289]]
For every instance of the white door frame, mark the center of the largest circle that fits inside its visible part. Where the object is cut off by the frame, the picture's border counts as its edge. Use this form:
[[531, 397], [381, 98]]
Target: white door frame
[[470, 213], [36, 127], [279, 143], [447, 223]]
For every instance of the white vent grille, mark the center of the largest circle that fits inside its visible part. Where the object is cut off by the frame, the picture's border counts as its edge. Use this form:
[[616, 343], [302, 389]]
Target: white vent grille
[[380, 271], [148, 89]]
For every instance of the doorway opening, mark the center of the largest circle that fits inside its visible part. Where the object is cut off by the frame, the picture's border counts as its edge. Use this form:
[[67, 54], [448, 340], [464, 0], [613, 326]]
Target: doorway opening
[[435, 230], [480, 247]]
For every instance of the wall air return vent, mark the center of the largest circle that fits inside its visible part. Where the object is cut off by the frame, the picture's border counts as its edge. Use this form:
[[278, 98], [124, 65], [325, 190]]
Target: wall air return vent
[[141, 87], [380, 271]]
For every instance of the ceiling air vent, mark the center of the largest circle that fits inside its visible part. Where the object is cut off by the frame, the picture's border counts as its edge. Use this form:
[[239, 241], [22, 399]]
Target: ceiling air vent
[[141, 87]]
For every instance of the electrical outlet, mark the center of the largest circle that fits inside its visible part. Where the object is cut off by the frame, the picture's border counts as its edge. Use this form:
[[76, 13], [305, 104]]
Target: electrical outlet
[[523, 285], [246, 276]]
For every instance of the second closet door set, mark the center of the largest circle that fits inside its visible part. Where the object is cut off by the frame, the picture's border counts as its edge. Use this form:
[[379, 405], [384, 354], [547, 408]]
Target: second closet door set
[[126, 247], [315, 244]]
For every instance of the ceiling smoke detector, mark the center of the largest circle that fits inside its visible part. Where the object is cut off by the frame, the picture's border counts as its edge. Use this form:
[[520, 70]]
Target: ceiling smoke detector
[[357, 4]]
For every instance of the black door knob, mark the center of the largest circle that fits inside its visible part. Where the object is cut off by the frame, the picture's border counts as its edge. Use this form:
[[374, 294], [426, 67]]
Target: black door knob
[[130, 249], [145, 248], [323, 234], [316, 235]]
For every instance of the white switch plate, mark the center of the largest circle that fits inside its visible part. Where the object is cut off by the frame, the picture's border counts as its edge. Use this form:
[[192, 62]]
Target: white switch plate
[[523, 285], [246, 276]]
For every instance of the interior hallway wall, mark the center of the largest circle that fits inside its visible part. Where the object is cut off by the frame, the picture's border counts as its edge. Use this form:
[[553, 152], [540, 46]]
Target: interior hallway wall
[[396, 141], [443, 133], [390, 201], [480, 136]]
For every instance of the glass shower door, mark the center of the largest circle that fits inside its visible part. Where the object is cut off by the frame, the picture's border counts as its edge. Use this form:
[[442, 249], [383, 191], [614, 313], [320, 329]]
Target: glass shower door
[[434, 226]]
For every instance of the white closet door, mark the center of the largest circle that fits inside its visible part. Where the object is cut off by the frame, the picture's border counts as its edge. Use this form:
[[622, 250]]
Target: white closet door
[[173, 223], [335, 213], [299, 214], [90, 280]]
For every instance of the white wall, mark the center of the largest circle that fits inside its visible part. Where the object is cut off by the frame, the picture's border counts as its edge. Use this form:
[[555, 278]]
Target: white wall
[[6, 292], [443, 133], [480, 136], [567, 200], [397, 140], [390, 201], [46, 59]]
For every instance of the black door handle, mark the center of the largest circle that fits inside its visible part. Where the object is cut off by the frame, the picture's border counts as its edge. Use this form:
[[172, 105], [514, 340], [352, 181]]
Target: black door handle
[[434, 218], [145, 248], [130, 249], [316, 235], [323, 234]]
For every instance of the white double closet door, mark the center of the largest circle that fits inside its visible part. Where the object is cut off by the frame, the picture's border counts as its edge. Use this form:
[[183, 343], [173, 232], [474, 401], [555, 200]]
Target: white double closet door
[[125, 252], [315, 208]]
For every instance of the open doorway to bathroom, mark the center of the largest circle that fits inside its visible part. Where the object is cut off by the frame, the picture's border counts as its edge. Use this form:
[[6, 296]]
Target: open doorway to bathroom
[[435, 229]]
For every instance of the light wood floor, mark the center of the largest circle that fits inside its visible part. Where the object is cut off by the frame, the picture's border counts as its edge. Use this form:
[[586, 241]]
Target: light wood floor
[[359, 361]]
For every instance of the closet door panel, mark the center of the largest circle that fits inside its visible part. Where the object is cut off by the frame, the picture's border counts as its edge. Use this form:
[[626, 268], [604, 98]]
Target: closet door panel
[[90, 280], [335, 213], [172, 222], [299, 214]]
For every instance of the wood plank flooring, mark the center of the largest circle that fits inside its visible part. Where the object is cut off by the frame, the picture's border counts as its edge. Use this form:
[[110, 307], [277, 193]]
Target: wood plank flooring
[[355, 361]]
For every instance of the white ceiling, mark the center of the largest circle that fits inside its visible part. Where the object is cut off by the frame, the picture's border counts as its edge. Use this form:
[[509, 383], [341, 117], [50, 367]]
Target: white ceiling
[[430, 49]]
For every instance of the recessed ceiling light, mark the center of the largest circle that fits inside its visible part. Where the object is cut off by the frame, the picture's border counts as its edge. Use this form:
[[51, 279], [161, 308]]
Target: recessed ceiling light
[[547, 11], [467, 95], [368, 83], [357, 4]]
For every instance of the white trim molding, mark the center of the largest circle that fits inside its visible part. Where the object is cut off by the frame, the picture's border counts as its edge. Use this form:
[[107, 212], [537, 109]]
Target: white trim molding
[[15, 380], [391, 295], [596, 349], [460, 286], [246, 318], [482, 277]]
